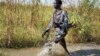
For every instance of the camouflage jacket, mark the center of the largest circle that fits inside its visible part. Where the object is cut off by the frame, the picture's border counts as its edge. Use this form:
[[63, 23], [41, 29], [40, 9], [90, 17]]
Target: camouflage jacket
[[59, 20]]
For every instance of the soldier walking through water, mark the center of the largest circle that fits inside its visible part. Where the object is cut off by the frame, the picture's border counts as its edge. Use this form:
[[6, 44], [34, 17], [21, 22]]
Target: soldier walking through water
[[60, 22]]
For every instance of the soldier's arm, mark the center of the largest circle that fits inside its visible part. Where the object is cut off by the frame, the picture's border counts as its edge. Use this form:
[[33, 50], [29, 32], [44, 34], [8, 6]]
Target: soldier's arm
[[69, 25], [48, 27], [65, 16], [50, 24]]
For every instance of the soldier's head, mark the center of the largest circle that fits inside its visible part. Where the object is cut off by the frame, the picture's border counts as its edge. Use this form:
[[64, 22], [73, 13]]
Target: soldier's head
[[57, 4]]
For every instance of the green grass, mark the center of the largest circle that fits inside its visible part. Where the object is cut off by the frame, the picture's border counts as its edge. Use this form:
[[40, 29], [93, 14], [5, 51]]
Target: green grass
[[22, 25]]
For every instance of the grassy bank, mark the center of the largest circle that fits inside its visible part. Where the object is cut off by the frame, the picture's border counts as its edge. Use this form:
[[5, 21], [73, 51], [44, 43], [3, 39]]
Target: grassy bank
[[22, 25], [1, 54]]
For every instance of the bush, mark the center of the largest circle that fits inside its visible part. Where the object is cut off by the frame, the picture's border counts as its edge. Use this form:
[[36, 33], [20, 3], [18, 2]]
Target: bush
[[82, 32], [87, 20], [16, 29]]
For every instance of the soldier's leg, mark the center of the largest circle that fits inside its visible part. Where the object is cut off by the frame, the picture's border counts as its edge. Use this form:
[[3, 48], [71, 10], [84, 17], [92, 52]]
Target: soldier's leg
[[63, 44]]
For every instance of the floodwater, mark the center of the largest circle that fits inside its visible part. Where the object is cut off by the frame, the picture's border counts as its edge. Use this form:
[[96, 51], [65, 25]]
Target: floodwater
[[75, 49], [20, 52]]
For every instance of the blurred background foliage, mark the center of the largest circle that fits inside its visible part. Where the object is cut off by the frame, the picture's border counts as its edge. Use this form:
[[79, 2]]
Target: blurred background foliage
[[21, 25]]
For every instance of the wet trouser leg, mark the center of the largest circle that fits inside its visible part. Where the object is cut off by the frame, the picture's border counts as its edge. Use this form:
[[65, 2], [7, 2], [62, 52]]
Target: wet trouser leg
[[60, 34], [63, 44]]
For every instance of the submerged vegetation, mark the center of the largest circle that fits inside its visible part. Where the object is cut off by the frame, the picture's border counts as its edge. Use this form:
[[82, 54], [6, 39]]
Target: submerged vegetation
[[21, 25]]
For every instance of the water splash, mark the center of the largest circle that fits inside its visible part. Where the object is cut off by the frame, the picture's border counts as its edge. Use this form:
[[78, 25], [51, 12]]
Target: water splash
[[47, 49]]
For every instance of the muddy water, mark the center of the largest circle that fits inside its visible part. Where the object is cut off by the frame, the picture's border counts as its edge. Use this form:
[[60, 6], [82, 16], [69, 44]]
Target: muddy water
[[75, 50], [20, 52], [28, 51]]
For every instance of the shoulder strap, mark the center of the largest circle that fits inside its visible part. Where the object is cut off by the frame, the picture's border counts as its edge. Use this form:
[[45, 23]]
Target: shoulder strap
[[62, 16], [53, 16]]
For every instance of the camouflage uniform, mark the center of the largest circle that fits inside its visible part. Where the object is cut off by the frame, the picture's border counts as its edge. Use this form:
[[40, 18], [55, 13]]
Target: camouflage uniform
[[60, 22]]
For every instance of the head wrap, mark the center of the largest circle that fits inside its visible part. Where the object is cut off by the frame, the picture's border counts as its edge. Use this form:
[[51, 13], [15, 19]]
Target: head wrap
[[58, 1]]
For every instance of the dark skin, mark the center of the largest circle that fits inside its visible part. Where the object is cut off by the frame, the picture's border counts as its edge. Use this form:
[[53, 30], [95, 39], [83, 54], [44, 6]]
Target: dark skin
[[62, 41]]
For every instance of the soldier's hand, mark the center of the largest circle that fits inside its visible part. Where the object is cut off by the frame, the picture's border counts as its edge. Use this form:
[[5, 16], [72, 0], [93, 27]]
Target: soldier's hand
[[74, 25], [44, 33], [71, 25]]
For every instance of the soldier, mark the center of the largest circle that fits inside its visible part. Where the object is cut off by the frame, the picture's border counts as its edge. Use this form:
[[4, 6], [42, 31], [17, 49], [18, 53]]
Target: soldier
[[60, 22]]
